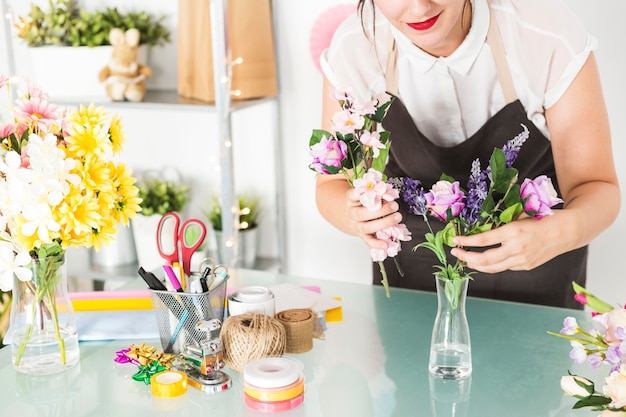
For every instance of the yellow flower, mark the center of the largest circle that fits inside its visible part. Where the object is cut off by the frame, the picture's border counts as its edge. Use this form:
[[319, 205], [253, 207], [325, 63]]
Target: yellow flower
[[127, 203], [88, 116], [78, 214], [116, 135], [87, 140]]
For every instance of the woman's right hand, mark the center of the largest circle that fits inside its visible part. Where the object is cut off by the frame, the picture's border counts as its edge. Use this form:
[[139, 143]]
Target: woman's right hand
[[364, 222]]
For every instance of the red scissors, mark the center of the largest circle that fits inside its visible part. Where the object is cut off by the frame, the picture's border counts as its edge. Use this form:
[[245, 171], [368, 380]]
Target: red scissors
[[174, 241]]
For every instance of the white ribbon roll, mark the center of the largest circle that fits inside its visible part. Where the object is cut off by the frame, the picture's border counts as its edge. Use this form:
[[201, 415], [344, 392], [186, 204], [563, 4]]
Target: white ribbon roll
[[272, 372], [253, 299]]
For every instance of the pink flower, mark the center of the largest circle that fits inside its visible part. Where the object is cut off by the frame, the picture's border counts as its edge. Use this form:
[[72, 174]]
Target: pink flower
[[327, 152], [372, 190], [364, 107], [4, 80], [539, 196], [613, 320], [443, 196], [615, 387], [393, 236], [6, 130], [372, 140], [346, 122]]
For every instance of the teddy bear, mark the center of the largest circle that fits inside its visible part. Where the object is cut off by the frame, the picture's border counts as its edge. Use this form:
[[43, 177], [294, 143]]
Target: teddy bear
[[124, 76]]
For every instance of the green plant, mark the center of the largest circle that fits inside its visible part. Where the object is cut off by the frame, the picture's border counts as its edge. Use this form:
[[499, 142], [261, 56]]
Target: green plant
[[160, 197], [249, 212], [63, 23]]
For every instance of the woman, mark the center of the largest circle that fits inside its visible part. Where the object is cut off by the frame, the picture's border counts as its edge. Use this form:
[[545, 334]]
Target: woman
[[466, 76]]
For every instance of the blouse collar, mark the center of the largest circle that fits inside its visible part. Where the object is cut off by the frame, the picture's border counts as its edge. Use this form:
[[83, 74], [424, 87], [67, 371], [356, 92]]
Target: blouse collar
[[465, 55]]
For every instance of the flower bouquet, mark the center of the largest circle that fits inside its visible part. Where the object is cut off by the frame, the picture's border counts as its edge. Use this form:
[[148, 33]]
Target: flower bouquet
[[493, 197], [58, 188], [605, 344], [360, 152]]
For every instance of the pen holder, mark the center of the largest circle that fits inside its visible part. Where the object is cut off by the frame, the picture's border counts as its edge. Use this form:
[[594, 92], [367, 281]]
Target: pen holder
[[178, 313]]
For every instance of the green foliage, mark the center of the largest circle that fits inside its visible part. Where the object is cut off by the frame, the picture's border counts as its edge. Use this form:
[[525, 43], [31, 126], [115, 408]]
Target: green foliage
[[160, 197], [63, 23], [249, 210]]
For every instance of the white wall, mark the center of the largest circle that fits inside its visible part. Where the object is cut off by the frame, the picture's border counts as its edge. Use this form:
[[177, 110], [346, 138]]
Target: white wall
[[314, 248]]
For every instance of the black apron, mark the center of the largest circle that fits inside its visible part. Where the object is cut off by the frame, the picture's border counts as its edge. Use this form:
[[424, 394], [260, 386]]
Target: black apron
[[413, 155]]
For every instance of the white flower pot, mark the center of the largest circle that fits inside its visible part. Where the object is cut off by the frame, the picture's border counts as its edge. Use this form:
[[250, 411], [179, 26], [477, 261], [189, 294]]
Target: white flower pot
[[70, 73], [144, 233]]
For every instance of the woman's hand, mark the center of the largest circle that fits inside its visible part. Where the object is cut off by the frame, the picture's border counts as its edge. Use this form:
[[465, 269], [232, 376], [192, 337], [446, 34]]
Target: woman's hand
[[364, 222], [521, 245]]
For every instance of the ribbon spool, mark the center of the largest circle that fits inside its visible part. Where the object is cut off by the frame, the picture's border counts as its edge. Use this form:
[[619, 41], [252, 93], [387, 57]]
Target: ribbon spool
[[298, 324], [168, 384], [250, 336], [273, 384]]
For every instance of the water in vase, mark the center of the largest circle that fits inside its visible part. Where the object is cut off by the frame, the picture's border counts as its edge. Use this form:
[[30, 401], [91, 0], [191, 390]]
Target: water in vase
[[450, 360]]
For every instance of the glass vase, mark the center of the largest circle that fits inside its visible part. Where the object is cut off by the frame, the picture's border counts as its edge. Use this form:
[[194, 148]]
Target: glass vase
[[450, 347], [42, 323]]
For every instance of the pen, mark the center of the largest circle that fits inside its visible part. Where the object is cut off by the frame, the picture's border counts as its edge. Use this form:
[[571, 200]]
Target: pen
[[181, 274], [153, 282], [179, 327], [172, 277], [205, 286]]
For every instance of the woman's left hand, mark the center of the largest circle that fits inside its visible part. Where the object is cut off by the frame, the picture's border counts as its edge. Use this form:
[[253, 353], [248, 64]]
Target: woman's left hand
[[521, 245]]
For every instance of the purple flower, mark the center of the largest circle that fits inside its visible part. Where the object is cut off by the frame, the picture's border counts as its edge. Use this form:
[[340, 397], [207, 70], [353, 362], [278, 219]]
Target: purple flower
[[512, 147], [413, 194], [570, 326], [327, 152], [445, 196], [476, 194], [578, 353], [595, 360], [539, 196]]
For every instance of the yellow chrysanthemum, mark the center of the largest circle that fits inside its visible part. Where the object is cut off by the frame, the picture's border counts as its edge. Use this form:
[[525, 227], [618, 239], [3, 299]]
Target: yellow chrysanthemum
[[127, 203], [103, 236], [88, 116], [78, 214], [87, 140], [96, 174], [116, 134]]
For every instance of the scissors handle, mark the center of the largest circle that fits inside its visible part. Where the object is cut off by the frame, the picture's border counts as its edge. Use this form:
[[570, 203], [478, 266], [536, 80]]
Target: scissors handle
[[167, 237], [191, 236]]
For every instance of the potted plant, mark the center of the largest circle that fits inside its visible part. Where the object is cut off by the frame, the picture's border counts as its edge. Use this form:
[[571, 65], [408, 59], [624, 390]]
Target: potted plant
[[249, 214], [159, 196], [80, 40]]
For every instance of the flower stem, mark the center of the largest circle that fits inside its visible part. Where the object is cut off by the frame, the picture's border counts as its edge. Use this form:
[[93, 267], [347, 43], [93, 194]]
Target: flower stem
[[384, 281]]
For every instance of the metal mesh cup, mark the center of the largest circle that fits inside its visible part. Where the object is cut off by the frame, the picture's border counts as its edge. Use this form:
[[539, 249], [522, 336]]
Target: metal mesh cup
[[178, 314]]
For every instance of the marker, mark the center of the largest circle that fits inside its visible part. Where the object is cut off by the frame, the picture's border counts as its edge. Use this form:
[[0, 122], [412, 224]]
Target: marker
[[172, 277], [180, 273]]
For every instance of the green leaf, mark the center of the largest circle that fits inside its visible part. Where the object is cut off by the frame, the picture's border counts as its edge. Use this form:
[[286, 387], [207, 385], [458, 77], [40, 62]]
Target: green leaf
[[510, 213], [497, 163], [317, 135], [448, 233], [446, 177], [592, 401]]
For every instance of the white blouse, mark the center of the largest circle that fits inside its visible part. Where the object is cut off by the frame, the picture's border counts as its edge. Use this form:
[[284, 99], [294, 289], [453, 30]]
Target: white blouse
[[450, 98]]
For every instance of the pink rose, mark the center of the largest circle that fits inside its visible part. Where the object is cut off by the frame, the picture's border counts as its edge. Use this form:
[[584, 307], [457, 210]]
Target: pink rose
[[613, 320], [443, 196], [539, 196], [615, 388], [327, 152]]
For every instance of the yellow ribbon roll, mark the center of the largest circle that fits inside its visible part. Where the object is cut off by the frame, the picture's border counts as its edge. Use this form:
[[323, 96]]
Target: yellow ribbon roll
[[168, 384]]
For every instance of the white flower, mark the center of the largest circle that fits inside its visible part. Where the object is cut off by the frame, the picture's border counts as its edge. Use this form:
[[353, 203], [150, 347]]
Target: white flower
[[13, 264], [571, 387]]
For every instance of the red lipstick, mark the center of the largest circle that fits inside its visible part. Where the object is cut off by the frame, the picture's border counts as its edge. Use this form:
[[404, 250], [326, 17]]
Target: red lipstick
[[426, 24]]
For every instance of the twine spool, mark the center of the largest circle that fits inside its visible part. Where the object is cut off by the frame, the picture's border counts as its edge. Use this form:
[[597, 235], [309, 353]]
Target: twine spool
[[298, 325], [250, 336]]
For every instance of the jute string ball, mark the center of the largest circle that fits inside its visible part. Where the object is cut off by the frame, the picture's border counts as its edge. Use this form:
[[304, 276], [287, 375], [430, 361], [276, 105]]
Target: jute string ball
[[298, 324], [250, 336]]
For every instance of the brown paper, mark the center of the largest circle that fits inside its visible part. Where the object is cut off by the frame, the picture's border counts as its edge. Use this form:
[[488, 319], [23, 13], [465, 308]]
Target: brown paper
[[250, 37]]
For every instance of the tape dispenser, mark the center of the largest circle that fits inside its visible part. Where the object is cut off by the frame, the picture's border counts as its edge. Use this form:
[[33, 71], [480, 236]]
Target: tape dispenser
[[203, 364]]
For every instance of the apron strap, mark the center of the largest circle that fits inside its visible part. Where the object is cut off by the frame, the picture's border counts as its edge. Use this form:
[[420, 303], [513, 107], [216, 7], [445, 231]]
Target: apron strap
[[497, 50], [391, 72], [502, 66]]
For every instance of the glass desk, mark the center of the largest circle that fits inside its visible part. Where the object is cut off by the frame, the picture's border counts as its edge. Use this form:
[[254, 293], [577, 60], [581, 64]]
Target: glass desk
[[372, 363]]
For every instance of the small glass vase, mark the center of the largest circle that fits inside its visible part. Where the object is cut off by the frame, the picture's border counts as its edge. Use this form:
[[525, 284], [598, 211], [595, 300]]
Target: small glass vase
[[42, 323], [450, 347]]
